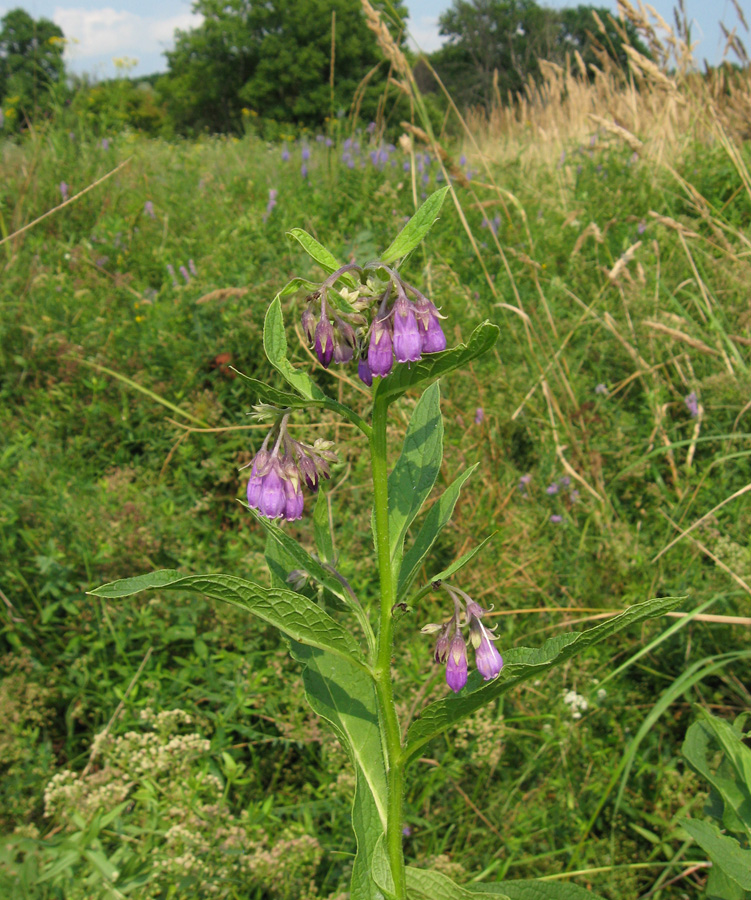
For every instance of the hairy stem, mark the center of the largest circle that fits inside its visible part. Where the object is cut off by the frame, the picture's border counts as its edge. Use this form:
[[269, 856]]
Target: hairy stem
[[382, 670]]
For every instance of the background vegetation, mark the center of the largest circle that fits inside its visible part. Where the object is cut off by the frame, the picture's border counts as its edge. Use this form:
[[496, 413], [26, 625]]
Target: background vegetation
[[160, 747]]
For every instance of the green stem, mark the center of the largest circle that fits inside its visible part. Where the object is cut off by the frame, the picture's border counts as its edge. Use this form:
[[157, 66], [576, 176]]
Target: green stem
[[382, 670]]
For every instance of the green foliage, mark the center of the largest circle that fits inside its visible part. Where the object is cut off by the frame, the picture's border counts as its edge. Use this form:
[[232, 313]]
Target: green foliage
[[506, 39], [729, 803], [274, 59], [31, 64]]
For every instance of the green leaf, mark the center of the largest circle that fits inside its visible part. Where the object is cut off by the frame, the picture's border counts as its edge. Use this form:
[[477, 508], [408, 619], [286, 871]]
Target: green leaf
[[275, 345], [425, 884], [732, 778], [724, 851], [434, 365], [322, 529], [302, 558], [422, 884], [416, 470], [535, 890], [267, 394], [345, 697], [463, 560], [438, 516], [521, 664], [295, 285], [416, 230], [293, 614], [325, 258]]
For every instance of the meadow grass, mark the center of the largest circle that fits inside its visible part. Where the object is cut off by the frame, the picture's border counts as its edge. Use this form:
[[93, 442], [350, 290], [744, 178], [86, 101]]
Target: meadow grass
[[615, 421]]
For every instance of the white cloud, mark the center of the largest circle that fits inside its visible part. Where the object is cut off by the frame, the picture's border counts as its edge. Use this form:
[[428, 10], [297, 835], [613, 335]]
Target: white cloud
[[97, 33], [423, 34]]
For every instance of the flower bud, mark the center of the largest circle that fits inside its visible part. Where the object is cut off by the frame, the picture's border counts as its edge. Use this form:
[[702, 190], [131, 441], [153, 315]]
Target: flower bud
[[324, 342], [309, 321]]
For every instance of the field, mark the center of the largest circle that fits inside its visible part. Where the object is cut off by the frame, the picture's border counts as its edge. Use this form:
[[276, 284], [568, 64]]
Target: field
[[161, 747]]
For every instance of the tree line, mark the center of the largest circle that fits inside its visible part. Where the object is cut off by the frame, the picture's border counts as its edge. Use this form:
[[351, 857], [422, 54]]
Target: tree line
[[283, 65]]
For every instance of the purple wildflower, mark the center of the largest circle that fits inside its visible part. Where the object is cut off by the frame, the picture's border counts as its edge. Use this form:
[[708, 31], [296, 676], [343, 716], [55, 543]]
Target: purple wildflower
[[551, 489], [692, 404], [277, 476], [363, 370], [64, 191], [564, 482], [285, 153], [185, 273], [641, 227], [479, 415], [556, 519], [304, 170], [462, 160], [148, 208], [456, 663], [601, 389], [371, 127], [171, 273], [324, 342], [305, 152], [192, 267], [380, 350], [429, 325], [407, 341], [105, 144]]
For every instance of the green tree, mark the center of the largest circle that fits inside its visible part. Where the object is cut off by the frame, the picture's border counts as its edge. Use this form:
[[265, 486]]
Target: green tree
[[273, 57], [511, 37], [31, 62]]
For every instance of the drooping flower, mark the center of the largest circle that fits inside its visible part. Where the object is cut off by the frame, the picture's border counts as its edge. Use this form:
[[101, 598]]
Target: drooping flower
[[488, 660], [456, 663], [407, 341], [451, 646], [277, 475], [380, 351]]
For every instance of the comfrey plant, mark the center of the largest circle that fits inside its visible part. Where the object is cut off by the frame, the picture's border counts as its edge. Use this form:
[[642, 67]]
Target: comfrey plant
[[370, 317]]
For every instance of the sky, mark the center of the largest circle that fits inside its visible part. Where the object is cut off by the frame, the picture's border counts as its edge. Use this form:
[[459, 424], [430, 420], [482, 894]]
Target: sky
[[141, 30]]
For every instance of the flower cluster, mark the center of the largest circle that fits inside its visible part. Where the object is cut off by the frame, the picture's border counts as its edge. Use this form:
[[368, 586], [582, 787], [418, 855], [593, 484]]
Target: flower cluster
[[277, 475], [374, 324], [451, 646]]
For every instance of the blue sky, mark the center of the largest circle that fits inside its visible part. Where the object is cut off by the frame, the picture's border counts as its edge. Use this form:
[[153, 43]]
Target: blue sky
[[142, 29]]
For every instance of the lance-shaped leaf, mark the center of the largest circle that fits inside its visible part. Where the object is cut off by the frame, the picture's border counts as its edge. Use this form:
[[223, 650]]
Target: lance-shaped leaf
[[434, 365], [521, 664], [325, 258], [268, 394], [294, 615], [295, 285], [302, 558], [731, 779], [422, 884], [416, 470], [323, 529], [436, 519], [416, 230], [275, 345], [534, 890], [724, 851], [345, 697], [460, 563]]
